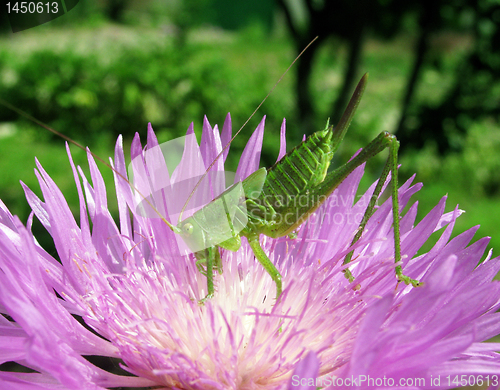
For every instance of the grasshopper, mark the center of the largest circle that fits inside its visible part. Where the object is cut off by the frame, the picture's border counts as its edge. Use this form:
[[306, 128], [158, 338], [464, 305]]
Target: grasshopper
[[270, 198], [268, 204]]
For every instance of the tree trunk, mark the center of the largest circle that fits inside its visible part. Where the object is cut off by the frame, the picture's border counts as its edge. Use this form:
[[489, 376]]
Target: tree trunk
[[351, 72], [304, 98]]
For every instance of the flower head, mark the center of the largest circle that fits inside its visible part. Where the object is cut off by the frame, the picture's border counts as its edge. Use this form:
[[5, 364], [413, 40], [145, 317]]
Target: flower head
[[138, 292]]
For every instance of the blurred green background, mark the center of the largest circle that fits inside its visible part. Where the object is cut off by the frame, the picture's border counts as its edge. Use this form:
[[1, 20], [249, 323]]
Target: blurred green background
[[108, 67]]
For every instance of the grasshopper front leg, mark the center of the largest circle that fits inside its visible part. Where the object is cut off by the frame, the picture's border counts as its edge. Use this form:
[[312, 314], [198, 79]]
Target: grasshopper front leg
[[202, 261], [210, 257]]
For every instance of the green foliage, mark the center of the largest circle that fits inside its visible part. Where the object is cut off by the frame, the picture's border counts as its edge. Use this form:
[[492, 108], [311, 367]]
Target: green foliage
[[475, 171], [84, 95]]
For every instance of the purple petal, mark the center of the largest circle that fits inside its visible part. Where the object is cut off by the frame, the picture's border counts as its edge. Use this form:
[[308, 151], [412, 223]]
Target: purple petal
[[282, 151], [249, 161], [306, 373], [226, 135]]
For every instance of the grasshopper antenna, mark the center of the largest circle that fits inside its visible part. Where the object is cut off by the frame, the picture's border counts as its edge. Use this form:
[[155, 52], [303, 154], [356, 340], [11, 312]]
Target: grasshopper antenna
[[241, 128], [65, 137]]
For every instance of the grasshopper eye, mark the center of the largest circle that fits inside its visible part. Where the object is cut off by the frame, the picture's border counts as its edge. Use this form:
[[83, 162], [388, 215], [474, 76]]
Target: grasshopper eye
[[188, 228]]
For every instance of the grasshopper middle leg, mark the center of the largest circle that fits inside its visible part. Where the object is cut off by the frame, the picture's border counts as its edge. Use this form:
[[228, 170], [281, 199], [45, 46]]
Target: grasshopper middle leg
[[253, 241]]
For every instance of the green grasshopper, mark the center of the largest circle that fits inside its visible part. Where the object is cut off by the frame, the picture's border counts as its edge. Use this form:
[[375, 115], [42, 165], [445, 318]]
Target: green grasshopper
[[270, 199]]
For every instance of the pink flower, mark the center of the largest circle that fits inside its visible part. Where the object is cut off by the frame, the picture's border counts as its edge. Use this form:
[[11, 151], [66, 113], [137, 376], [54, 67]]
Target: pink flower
[[139, 294]]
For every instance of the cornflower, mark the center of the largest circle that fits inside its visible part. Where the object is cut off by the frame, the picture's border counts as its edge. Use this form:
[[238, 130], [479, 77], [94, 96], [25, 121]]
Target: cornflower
[[127, 291]]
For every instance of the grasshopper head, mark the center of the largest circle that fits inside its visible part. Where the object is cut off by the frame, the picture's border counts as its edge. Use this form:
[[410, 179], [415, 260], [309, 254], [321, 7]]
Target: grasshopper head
[[192, 234]]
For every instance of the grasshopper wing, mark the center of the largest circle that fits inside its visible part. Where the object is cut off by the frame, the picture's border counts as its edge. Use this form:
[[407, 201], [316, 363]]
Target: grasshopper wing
[[252, 185]]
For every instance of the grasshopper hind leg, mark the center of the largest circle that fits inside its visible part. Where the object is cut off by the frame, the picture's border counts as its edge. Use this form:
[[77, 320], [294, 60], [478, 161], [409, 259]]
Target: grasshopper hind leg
[[384, 140]]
